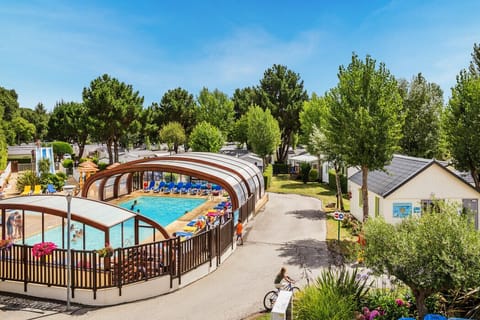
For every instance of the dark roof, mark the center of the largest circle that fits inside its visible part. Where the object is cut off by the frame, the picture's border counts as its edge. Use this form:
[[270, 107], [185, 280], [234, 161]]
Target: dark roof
[[398, 172]]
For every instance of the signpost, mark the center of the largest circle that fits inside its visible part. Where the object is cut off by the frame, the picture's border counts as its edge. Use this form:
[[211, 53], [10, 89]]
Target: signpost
[[337, 215]]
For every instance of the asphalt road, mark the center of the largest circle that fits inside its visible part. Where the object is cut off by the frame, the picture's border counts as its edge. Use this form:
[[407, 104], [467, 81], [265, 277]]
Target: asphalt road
[[290, 232]]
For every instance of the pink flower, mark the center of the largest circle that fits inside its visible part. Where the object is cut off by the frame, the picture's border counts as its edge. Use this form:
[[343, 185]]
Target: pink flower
[[399, 302], [43, 248], [366, 311], [373, 314]]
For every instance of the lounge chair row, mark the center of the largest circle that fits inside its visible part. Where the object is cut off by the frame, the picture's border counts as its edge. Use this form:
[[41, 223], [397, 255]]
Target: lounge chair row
[[27, 190], [181, 188]]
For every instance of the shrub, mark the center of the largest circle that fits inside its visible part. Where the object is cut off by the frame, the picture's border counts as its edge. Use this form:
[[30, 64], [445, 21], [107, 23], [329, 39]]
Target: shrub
[[67, 163], [332, 183], [280, 168], [313, 175], [28, 178], [344, 283], [305, 171], [390, 305], [102, 166], [312, 303], [267, 176]]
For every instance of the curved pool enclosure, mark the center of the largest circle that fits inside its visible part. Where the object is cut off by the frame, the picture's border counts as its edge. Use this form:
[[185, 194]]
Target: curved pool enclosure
[[167, 263]]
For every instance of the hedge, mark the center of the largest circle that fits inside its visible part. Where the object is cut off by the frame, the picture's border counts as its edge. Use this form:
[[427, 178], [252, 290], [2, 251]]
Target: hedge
[[332, 183]]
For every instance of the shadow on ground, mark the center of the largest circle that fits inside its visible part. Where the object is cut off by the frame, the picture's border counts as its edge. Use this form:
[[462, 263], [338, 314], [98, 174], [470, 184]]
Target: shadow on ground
[[37, 306], [310, 253], [307, 214]]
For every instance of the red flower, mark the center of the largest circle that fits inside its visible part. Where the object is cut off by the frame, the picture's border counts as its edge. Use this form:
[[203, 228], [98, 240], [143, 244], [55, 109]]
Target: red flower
[[43, 248]]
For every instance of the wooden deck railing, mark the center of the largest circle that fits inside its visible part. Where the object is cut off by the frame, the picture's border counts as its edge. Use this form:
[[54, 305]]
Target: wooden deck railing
[[127, 265]]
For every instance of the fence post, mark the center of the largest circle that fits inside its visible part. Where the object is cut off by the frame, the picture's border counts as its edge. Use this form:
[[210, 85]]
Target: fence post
[[25, 267]]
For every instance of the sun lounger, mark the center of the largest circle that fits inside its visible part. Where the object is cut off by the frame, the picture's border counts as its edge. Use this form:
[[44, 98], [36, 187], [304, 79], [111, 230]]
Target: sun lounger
[[38, 189], [50, 188], [159, 187], [27, 190]]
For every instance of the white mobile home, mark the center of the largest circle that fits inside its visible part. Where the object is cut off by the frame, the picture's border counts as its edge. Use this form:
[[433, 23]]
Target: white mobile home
[[409, 186]]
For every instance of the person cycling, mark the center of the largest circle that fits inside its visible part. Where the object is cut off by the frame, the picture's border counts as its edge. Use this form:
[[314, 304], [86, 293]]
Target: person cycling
[[281, 278]]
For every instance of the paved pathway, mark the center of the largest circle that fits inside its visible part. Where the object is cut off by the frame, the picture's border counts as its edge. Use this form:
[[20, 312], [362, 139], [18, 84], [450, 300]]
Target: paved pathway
[[289, 232]]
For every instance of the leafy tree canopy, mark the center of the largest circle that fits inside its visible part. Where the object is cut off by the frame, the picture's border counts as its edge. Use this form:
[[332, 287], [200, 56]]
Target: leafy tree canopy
[[243, 99], [217, 109], [365, 118], [70, 122], [313, 114], [206, 137], [429, 253], [263, 132], [176, 105], [422, 105], [461, 124], [281, 91], [173, 134], [114, 108]]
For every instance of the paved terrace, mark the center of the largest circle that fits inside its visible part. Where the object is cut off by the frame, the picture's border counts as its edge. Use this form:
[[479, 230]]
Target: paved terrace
[[290, 231]]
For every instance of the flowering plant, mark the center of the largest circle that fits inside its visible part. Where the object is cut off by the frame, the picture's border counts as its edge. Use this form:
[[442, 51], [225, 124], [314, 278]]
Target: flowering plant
[[43, 248], [5, 244], [387, 308], [105, 252]]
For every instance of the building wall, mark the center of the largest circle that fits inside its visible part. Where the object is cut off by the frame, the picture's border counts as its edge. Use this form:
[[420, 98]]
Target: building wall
[[432, 183]]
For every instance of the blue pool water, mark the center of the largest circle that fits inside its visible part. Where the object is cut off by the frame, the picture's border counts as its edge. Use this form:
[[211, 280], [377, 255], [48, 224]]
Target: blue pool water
[[163, 210]]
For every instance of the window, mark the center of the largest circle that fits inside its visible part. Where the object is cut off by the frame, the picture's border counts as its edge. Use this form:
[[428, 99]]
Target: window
[[377, 206], [360, 197]]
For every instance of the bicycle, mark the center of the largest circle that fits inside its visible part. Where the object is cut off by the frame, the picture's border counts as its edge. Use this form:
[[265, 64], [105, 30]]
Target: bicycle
[[271, 296]]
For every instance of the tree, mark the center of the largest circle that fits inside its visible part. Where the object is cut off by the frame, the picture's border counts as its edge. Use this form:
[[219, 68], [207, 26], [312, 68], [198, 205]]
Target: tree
[[240, 131], [24, 130], [176, 105], [319, 145], [312, 115], [38, 117], [365, 118], [474, 67], [461, 124], [429, 252], [422, 104], [174, 135], [9, 109], [114, 108], [70, 122], [206, 138], [243, 99], [263, 132], [217, 109], [60, 148], [9, 103], [281, 91]]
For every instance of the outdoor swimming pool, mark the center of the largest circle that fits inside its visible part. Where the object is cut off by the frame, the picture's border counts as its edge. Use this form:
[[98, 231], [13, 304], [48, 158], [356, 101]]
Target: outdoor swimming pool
[[163, 210]]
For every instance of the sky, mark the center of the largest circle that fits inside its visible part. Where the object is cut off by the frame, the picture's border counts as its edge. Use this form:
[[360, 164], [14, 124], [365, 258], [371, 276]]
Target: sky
[[51, 50]]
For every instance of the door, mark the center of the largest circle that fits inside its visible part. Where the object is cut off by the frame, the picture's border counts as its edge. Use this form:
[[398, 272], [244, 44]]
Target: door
[[472, 205]]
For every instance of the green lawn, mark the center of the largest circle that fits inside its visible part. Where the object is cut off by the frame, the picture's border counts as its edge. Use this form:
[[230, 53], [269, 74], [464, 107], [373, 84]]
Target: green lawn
[[283, 184]]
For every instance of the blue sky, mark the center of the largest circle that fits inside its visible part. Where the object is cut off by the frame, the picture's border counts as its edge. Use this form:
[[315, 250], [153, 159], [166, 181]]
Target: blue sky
[[51, 50]]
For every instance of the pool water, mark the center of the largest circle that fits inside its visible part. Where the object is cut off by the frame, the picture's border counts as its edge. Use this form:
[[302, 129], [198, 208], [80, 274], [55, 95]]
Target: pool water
[[163, 210]]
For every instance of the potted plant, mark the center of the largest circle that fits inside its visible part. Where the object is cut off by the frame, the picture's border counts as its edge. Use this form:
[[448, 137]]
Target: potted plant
[[43, 249], [5, 244], [105, 252]]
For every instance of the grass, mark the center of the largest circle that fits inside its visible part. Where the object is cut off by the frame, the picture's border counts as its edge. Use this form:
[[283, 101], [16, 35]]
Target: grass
[[283, 184]]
